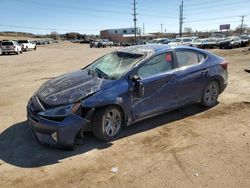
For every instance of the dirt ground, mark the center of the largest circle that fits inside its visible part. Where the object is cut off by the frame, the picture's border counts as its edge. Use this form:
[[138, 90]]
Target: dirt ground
[[189, 147]]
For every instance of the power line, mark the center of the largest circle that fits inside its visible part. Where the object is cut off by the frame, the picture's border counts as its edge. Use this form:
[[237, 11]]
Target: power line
[[49, 5], [214, 3], [47, 29], [214, 18]]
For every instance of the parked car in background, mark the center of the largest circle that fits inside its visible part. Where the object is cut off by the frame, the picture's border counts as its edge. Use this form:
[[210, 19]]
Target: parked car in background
[[245, 40], [10, 46], [186, 41], [199, 43], [210, 43], [107, 42], [230, 42], [93, 43], [27, 45], [159, 41], [101, 43], [124, 87]]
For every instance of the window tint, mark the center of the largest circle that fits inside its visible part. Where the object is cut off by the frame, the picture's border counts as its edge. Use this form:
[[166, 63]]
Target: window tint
[[185, 58], [156, 65]]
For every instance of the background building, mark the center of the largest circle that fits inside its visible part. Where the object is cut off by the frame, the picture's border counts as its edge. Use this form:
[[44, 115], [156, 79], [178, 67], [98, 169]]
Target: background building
[[125, 35]]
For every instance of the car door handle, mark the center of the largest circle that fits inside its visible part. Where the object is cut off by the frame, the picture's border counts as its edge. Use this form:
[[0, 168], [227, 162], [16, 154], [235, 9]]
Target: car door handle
[[169, 77], [204, 71]]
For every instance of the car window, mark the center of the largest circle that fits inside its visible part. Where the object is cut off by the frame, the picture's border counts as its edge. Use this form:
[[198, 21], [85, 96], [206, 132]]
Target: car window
[[8, 43], [187, 40], [202, 57], [158, 64], [185, 58]]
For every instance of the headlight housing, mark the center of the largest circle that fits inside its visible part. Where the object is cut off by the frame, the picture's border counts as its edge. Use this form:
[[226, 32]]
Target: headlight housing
[[59, 113]]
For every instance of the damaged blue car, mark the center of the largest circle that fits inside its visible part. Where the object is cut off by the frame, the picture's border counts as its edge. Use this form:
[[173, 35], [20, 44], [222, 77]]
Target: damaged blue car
[[124, 87]]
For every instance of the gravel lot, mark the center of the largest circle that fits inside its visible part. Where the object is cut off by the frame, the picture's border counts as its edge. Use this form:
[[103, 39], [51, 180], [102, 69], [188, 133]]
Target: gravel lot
[[189, 147]]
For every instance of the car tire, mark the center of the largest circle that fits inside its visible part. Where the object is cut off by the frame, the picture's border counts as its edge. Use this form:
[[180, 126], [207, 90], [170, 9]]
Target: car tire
[[107, 123], [210, 94]]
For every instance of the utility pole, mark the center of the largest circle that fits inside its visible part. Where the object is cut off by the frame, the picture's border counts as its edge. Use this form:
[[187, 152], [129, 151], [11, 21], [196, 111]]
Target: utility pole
[[134, 14], [161, 29], [181, 19], [143, 28], [242, 24]]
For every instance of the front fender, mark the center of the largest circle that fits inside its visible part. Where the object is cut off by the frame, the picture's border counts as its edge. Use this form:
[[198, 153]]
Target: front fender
[[117, 95]]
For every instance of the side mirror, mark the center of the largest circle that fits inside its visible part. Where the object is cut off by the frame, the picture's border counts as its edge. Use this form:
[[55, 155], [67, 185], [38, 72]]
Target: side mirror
[[137, 86]]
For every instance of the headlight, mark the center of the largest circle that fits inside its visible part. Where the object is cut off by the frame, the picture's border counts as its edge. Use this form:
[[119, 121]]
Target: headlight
[[60, 111]]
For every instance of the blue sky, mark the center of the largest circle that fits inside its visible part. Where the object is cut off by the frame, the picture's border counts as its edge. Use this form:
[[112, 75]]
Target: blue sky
[[91, 16]]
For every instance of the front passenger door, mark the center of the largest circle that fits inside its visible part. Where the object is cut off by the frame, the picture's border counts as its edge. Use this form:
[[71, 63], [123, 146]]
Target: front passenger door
[[159, 89]]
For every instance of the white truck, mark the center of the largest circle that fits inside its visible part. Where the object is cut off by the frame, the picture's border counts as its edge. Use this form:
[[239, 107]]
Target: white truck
[[27, 45]]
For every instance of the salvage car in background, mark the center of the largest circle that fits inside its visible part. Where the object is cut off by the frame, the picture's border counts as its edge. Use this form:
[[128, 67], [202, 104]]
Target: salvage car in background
[[27, 45], [10, 46], [230, 42], [186, 41], [159, 41], [245, 40], [124, 87]]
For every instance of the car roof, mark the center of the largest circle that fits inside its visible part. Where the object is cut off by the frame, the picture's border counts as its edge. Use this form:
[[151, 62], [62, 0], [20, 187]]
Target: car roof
[[153, 49]]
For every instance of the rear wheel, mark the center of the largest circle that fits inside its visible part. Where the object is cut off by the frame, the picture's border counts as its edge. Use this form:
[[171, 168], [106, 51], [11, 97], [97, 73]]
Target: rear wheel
[[107, 123], [210, 94]]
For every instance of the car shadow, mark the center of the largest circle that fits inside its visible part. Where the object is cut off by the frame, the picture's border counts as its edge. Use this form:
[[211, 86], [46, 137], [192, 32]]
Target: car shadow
[[19, 147]]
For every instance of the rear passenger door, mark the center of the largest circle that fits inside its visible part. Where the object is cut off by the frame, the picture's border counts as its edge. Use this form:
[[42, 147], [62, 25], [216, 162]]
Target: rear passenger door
[[191, 75]]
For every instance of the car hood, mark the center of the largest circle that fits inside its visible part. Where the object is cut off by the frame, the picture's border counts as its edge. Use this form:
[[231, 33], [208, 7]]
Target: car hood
[[69, 88]]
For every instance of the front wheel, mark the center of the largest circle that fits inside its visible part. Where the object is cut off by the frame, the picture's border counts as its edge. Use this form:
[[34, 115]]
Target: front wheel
[[210, 94], [107, 123]]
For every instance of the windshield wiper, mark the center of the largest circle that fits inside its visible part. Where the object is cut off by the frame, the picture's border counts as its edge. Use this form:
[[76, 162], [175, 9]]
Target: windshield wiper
[[101, 73]]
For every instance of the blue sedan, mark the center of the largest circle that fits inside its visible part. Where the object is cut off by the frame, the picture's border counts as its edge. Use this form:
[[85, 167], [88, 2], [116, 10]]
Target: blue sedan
[[124, 87]]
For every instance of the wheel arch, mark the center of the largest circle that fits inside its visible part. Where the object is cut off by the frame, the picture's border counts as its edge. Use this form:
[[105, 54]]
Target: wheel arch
[[219, 80]]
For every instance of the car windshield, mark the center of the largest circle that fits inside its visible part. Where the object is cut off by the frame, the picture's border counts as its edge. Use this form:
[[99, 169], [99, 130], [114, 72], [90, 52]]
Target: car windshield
[[114, 65], [153, 41], [229, 38], [176, 40], [187, 40]]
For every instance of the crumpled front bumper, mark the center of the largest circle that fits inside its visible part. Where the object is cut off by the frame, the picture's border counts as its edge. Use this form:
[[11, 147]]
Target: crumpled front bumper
[[57, 134]]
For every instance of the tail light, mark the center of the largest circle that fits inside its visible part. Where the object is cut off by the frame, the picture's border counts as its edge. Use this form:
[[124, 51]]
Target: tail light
[[224, 64]]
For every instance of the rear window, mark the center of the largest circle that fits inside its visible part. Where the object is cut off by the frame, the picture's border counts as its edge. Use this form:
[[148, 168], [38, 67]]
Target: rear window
[[7, 43], [188, 57]]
